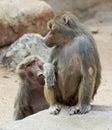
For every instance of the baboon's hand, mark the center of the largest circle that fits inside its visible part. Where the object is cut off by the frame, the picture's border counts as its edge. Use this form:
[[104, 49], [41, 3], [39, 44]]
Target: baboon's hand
[[49, 73], [50, 81]]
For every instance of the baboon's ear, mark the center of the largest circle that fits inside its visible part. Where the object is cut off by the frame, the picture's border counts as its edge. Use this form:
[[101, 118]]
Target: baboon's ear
[[66, 20]]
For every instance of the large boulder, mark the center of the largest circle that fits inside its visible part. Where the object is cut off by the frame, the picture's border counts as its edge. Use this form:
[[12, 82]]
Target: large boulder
[[98, 119], [22, 16], [28, 44]]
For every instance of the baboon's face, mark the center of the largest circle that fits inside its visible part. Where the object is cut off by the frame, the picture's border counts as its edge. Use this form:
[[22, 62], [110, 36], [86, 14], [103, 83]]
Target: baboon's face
[[60, 30], [34, 71]]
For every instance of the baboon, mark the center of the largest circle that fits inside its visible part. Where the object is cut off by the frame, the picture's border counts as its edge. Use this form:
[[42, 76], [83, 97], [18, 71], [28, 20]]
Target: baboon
[[77, 69], [30, 97]]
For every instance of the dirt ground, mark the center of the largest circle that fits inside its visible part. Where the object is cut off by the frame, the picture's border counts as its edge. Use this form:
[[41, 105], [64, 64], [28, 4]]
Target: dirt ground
[[9, 80]]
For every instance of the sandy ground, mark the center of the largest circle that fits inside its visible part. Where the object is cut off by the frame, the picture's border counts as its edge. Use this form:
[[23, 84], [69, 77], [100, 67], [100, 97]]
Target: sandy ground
[[9, 80]]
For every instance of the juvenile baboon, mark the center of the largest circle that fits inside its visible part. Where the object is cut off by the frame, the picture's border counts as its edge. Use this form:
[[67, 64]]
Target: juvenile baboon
[[77, 69], [30, 97]]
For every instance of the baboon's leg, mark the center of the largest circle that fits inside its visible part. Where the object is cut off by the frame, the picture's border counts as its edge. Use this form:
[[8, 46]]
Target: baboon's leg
[[51, 99], [86, 90]]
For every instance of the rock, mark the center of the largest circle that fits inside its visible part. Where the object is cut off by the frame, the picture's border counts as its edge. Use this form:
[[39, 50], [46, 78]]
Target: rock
[[94, 30], [98, 119], [83, 9], [28, 44], [19, 17], [100, 19]]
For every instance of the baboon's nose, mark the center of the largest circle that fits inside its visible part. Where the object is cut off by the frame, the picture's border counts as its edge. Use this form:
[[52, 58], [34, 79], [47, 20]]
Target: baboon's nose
[[41, 76]]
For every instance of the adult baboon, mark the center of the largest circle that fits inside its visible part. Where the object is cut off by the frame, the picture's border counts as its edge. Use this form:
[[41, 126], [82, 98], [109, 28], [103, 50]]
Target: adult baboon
[[77, 69]]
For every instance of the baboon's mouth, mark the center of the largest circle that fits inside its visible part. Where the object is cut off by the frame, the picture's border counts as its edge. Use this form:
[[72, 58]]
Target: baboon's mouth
[[42, 82], [42, 79], [48, 37]]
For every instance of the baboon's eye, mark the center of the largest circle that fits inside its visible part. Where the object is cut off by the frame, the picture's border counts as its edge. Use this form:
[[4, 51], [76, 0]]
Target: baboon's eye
[[32, 63], [50, 26], [26, 66]]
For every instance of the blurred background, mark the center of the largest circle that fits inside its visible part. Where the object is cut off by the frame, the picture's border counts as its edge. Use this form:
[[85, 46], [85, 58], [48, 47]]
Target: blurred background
[[84, 9]]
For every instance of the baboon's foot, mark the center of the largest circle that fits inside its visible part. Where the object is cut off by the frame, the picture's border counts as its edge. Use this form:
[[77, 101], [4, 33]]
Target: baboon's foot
[[79, 109], [55, 109]]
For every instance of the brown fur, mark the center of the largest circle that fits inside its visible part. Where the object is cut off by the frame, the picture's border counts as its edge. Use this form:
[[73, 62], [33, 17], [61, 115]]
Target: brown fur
[[77, 64], [30, 97]]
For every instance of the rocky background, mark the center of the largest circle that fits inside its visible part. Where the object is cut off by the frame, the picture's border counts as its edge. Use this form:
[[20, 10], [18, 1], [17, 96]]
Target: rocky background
[[22, 16], [83, 9]]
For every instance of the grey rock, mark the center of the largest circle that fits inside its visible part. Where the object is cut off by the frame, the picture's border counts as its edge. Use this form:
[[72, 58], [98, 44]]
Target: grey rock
[[100, 118], [28, 44]]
